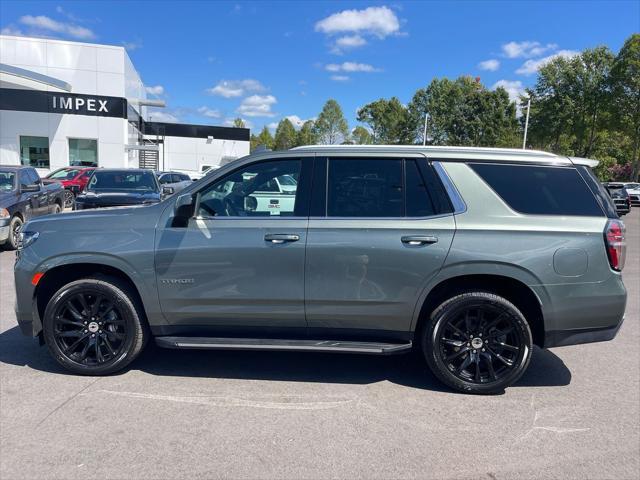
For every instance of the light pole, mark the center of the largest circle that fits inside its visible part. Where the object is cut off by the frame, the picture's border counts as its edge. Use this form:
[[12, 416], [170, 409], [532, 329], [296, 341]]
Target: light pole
[[424, 133], [526, 125]]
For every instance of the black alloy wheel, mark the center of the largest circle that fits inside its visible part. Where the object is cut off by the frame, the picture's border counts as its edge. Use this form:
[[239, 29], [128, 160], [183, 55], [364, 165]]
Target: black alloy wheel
[[69, 198], [479, 343], [89, 329], [95, 326]]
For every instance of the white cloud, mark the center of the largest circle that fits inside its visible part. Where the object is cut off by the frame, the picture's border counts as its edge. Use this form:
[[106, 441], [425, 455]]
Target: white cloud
[[526, 49], [159, 116], [532, 66], [45, 23], [133, 45], [350, 67], [208, 112], [257, 106], [491, 65], [297, 121], [339, 78], [513, 87], [236, 88], [378, 21], [348, 42], [11, 30], [155, 90], [272, 125]]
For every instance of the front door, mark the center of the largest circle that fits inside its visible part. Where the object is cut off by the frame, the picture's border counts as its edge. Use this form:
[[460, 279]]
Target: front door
[[240, 261], [383, 230]]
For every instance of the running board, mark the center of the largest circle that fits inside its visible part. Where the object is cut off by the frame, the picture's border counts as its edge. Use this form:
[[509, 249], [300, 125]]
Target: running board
[[208, 343]]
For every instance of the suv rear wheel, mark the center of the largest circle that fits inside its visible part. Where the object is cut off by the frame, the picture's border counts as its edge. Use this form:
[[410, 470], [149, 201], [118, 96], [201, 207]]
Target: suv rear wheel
[[477, 342], [92, 326]]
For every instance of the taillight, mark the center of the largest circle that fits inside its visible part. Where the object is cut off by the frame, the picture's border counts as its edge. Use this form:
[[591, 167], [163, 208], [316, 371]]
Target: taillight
[[615, 244]]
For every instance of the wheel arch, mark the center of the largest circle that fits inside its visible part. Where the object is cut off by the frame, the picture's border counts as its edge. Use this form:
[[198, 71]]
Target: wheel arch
[[55, 277], [512, 289]]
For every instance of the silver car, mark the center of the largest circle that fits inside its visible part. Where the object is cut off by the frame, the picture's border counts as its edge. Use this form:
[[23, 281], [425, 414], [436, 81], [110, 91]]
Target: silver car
[[175, 180], [469, 256]]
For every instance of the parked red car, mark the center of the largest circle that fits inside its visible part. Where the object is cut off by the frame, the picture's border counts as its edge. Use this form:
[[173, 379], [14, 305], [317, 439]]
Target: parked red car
[[73, 179]]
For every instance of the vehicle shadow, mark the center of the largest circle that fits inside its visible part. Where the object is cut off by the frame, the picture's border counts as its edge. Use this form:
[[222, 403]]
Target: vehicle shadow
[[546, 369]]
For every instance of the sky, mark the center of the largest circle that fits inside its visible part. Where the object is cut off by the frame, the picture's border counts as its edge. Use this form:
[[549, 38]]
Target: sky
[[263, 61]]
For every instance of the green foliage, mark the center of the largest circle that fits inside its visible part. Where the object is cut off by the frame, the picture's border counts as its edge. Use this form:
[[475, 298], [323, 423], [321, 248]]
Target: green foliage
[[264, 139], [625, 85], [238, 123], [285, 135], [361, 136], [331, 127], [306, 135], [389, 121], [463, 112]]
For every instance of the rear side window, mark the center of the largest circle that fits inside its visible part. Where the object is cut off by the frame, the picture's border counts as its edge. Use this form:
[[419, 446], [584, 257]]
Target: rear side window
[[540, 190], [418, 200], [365, 188]]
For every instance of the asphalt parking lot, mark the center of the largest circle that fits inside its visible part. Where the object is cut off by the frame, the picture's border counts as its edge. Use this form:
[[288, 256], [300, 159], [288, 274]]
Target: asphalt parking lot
[[190, 414]]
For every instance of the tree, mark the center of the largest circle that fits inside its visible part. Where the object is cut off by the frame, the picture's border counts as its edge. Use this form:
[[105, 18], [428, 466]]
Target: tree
[[570, 103], [238, 123], [361, 136], [389, 121], [625, 84], [463, 112], [264, 139], [285, 135], [306, 135], [331, 127]]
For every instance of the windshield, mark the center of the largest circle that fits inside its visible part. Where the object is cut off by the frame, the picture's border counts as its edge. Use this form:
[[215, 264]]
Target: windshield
[[633, 186], [123, 181], [7, 181], [287, 180], [64, 174]]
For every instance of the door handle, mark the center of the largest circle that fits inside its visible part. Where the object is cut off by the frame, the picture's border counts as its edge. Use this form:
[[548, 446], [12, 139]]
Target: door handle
[[281, 237], [419, 239]]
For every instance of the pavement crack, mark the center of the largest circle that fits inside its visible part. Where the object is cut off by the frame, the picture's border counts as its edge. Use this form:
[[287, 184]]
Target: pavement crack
[[66, 402]]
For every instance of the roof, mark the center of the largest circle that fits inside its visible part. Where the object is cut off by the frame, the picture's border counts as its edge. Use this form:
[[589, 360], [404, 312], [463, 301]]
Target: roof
[[13, 167], [444, 153]]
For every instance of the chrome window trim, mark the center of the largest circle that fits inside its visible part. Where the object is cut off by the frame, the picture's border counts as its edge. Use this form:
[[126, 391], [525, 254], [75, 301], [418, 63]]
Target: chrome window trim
[[459, 206]]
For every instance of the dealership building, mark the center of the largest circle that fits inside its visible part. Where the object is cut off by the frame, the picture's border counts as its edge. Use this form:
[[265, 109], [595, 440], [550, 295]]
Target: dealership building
[[67, 103]]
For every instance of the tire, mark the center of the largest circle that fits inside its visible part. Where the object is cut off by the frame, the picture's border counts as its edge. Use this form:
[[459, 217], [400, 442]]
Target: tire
[[56, 209], [69, 198], [477, 342], [14, 229], [94, 340]]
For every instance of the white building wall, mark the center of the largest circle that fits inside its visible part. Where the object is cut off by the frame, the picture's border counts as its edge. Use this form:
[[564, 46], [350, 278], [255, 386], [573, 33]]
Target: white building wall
[[93, 70]]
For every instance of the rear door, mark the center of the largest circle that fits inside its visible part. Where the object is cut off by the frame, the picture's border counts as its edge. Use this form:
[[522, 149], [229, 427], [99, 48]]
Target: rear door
[[380, 228]]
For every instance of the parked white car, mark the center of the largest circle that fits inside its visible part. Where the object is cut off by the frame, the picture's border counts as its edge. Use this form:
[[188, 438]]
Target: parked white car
[[633, 189], [175, 180]]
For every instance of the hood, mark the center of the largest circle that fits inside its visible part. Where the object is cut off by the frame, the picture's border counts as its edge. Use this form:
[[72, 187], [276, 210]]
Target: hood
[[7, 198]]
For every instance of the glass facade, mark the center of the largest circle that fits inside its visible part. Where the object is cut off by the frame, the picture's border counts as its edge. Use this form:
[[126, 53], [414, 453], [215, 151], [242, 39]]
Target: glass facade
[[83, 152], [34, 151]]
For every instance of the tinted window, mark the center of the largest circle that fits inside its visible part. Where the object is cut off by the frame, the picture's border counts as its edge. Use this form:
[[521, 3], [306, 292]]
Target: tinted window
[[365, 188], [7, 181], [24, 178], [33, 176], [418, 201], [34, 151], [122, 181], [540, 190], [63, 174], [252, 191], [598, 190]]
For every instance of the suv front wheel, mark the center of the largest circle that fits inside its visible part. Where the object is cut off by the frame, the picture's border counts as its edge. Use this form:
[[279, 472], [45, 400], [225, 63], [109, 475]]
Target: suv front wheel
[[92, 326], [477, 342]]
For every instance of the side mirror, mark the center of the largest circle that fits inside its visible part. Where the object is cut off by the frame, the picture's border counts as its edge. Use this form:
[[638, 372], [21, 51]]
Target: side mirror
[[183, 210], [33, 187], [167, 191]]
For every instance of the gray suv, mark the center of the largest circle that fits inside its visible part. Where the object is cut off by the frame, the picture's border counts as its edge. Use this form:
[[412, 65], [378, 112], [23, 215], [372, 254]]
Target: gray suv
[[468, 256]]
